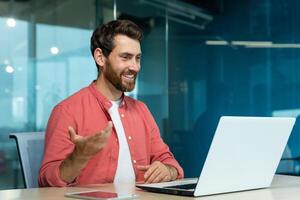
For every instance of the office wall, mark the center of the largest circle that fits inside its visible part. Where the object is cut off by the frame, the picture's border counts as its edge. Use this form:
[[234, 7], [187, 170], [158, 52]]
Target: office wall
[[243, 73], [194, 68], [33, 77]]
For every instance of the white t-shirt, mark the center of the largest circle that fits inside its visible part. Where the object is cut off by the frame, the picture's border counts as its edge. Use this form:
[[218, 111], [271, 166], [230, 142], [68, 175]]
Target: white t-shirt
[[125, 171]]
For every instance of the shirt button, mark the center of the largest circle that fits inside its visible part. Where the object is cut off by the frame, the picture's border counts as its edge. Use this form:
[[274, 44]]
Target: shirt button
[[122, 115], [134, 161], [129, 137]]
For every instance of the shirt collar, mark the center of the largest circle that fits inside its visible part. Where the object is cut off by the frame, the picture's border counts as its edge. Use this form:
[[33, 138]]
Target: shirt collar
[[106, 103]]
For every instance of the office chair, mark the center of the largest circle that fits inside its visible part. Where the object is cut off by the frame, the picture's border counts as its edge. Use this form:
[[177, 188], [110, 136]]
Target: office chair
[[30, 148]]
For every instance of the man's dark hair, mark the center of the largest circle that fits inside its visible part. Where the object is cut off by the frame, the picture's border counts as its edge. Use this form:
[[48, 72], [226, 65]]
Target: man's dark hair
[[103, 36]]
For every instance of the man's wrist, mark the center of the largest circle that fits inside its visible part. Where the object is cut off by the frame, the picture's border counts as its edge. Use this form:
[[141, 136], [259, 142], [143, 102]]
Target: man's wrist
[[71, 167]]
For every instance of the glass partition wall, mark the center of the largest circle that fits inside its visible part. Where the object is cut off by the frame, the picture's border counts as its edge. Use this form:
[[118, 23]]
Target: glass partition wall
[[44, 58], [201, 60]]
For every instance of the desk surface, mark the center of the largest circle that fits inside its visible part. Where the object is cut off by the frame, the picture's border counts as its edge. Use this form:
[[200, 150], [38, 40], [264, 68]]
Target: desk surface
[[283, 187]]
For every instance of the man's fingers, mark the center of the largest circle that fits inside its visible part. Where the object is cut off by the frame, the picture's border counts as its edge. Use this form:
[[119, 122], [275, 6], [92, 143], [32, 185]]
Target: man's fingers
[[72, 133], [159, 178], [166, 178], [149, 172], [105, 133], [91, 144], [109, 126], [154, 176], [157, 172], [107, 130], [100, 139]]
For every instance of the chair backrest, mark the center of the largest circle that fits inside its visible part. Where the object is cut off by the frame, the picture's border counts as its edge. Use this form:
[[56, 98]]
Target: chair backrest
[[30, 147]]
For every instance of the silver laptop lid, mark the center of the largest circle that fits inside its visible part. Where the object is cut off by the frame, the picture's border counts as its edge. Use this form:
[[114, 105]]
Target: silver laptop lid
[[244, 154]]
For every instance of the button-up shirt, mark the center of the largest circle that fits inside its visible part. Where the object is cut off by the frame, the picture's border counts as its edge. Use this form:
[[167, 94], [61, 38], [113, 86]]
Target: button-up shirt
[[87, 112]]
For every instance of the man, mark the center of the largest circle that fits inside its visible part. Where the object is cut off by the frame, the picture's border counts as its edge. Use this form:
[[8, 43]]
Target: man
[[99, 135]]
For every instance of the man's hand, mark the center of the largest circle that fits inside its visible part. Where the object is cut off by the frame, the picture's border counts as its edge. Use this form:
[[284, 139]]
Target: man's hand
[[85, 148], [158, 172]]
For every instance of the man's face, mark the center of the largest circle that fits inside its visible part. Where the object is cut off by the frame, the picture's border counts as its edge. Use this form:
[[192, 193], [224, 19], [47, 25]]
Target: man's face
[[123, 63]]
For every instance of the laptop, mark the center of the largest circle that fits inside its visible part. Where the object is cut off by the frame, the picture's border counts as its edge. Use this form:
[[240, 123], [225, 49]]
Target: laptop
[[243, 155]]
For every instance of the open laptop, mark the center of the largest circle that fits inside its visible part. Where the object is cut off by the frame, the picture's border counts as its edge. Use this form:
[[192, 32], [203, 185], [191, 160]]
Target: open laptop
[[243, 155]]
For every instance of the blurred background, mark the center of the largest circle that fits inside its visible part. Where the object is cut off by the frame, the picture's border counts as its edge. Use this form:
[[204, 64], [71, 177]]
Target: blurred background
[[201, 59]]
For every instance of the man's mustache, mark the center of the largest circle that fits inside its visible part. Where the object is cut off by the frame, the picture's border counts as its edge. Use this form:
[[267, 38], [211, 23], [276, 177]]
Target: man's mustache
[[130, 72]]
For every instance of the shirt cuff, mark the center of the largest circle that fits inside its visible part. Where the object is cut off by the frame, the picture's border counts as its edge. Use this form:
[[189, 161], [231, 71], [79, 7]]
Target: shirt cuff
[[54, 179]]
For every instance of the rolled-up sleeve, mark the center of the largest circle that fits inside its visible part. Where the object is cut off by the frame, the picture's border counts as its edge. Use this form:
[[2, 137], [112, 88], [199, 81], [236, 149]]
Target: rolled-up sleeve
[[57, 147]]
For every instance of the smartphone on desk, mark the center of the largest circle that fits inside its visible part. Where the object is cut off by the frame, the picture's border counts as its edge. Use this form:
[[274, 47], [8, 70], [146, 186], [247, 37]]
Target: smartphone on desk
[[100, 195]]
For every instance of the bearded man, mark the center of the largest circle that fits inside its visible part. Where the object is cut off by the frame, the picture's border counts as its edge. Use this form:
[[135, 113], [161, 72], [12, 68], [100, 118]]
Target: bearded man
[[100, 135]]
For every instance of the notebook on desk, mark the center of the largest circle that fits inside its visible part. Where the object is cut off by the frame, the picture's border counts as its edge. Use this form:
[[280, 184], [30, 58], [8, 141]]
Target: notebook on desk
[[243, 155]]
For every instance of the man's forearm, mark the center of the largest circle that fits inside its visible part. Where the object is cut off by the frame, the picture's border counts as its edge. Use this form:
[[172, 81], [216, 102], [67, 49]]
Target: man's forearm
[[71, 167]]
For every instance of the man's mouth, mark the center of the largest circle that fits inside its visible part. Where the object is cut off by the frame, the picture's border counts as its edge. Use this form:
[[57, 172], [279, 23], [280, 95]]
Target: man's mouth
[[129, 77]]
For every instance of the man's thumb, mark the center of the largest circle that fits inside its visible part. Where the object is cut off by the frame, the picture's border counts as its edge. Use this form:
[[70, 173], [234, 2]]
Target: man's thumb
[[72, 133]]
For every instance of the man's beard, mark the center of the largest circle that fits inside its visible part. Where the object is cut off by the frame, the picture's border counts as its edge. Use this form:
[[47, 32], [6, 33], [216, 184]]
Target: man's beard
[[116, 80]]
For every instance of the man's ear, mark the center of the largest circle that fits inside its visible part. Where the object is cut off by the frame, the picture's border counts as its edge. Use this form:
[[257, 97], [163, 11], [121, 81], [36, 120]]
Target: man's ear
[[99, 57]]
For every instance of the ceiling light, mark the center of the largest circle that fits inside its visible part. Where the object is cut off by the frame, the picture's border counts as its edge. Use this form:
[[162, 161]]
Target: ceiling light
[[54, 50], [9, 69], [216, 42], [279, 46], [252, 43], [11, 22]]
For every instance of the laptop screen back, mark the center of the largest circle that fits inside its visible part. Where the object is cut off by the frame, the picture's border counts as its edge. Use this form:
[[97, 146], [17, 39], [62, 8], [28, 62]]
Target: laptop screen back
[[244, 154]]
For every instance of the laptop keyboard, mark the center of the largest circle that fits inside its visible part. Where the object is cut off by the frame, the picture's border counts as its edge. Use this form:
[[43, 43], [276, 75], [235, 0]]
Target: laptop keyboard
[[184, 186]]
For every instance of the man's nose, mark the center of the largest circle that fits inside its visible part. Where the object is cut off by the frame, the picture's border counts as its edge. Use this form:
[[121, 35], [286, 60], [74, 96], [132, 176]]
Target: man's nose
[[134, 65]]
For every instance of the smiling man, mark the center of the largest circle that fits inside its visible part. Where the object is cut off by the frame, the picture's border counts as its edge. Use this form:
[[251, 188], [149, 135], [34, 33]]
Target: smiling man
[[100, 135]]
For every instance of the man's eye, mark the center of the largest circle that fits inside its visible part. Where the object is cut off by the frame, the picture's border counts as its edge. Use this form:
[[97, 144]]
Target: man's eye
[[125, 57]]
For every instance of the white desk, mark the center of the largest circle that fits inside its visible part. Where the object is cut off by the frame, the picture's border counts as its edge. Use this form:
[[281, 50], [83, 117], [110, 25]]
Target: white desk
[[283, 187]]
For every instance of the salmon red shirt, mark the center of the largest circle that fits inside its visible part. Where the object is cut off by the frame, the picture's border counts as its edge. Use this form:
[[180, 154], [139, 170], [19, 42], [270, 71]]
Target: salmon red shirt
[[87, 112]]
